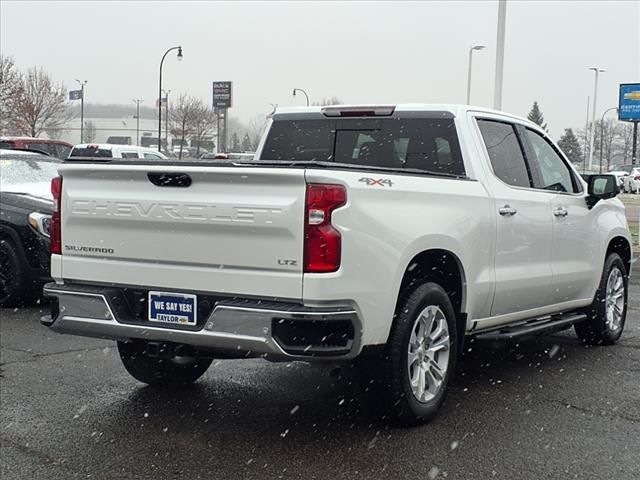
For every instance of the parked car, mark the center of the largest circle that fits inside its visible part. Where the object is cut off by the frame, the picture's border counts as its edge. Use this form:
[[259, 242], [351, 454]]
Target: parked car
[[388, 235], [632, 181], [187, 152], [228, 156], [620, 177], [26, 206], [119, 140], [104, 150], [55, 148]]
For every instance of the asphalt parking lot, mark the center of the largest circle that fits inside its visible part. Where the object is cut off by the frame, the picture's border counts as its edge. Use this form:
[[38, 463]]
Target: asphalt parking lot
[[548, 408]]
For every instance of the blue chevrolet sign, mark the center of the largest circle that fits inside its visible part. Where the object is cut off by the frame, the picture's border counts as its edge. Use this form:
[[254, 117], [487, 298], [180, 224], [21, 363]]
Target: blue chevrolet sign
[[629, 105]]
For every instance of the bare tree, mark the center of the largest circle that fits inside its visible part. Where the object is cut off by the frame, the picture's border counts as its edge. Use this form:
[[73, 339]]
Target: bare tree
[[256, 128], [204, 121], [606, 133], [10, 91], [328, 101], [90, 132], [624, 143], [42, 104], [55, 133], [184, 112]]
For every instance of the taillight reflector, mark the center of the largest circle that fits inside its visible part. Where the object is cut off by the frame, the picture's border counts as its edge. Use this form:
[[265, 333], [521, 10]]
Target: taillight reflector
[[322, 241], [54, 228]]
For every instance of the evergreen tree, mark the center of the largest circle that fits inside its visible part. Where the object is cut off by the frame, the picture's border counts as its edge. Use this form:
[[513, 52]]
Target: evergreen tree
[[246, 143], [235, 142], [535, 115], [570, 146]]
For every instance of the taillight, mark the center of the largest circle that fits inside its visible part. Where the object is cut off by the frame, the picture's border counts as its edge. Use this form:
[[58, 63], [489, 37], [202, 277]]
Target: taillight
[[322, 241], [359, 111], [54, 227]]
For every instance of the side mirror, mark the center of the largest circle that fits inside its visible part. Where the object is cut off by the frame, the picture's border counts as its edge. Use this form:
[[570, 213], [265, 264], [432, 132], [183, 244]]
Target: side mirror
[[601, 187]]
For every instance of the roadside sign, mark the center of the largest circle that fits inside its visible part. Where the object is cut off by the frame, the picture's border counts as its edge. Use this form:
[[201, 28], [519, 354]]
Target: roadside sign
[[629, 104], [75, 94], [221, 94]]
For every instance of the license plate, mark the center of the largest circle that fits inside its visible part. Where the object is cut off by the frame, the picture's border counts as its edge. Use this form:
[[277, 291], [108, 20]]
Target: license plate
[[176, 308]]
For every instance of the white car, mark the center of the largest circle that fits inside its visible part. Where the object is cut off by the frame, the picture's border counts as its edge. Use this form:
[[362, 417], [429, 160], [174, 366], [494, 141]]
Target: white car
[[620, 177], [386, 234], [107, 150], [632, 181]]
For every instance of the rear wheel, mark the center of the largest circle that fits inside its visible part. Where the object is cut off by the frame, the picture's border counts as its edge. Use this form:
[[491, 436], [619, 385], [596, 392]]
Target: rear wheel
[[12, 276], [607, 314], [413, 374], [164, 367]]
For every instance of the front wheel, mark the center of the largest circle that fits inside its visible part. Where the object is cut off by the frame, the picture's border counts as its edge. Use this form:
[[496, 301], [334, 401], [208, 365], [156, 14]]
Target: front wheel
[[420, 356], [12, 276], [607, 314], [166, 369]]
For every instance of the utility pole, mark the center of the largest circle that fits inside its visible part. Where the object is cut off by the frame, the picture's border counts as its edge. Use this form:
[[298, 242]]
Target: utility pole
[[593, 114], [471, 49], [166, 118], [179, 56], [635, 145], [137, 102], [296, 90], [82, 84], [502, 19], [586, 131]]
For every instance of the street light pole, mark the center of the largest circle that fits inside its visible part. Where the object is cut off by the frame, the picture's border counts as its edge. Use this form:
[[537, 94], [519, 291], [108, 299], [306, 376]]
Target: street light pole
[[82, 84], [474, 47], [295, 90], [166, 118], [586, 130], [602, 136], [160, 94], [137, 102], [593, 114], [502, 19]]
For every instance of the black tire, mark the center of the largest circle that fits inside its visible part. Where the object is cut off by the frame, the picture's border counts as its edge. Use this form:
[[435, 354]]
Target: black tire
[[599, 329], [388, 375], [13, 278], [161, 370]]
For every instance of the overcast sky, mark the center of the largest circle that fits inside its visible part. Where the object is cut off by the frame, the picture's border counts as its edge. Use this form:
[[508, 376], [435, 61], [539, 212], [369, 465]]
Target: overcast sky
[[361, 52]]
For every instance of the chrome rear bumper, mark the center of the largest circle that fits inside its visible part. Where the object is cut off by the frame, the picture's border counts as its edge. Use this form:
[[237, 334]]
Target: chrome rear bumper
[[244, 327]]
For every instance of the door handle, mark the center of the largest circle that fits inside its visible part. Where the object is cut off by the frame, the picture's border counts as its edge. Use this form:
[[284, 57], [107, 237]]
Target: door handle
[[507, 211], [560, 212]]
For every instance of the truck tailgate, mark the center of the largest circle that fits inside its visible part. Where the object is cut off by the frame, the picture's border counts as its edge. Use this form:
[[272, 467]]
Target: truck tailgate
[[232, 230]]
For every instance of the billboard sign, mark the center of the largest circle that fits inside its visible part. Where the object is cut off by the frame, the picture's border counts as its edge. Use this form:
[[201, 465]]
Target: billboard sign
[[221, 94], [629, 104]]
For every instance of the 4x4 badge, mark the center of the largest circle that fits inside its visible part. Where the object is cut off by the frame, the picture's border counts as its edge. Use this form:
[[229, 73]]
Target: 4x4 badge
[[372, 182]]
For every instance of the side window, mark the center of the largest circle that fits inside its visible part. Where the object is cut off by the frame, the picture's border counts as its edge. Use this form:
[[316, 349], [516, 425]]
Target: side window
[[505, 152], [552, 172], [129, 154], [151, 156], [63, 151]]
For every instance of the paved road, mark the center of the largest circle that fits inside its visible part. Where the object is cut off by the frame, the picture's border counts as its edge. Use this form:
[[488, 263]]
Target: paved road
[[548, 409]]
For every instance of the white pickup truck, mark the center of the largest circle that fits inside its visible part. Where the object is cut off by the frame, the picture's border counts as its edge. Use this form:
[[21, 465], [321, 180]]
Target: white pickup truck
[[384, 234]]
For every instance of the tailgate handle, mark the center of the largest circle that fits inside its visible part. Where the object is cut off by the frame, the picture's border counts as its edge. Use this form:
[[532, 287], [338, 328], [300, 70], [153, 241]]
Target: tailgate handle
[[169, 179]]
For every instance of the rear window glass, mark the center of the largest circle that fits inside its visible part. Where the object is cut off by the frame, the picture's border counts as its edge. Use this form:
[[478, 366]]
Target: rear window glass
[[91, 152], [398, 143]]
